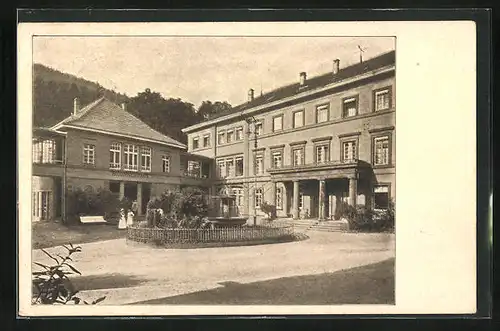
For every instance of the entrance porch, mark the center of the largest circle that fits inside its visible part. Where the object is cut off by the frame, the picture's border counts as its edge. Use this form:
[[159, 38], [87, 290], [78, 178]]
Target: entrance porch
[[133, 191], [316, 191]]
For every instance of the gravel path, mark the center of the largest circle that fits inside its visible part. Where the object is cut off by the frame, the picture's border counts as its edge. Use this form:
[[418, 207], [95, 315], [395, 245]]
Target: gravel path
[[132, 273]]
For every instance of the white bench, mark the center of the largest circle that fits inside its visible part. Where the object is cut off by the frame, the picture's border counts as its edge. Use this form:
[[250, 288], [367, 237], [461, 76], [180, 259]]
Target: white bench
[[92, 220]]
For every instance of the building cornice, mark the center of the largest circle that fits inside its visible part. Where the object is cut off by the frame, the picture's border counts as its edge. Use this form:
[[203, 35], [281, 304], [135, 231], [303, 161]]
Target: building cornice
[[388, 128], [250, 111]]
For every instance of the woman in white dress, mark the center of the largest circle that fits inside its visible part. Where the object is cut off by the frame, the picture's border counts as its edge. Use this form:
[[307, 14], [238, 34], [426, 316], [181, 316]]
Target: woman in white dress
[[122, 224]]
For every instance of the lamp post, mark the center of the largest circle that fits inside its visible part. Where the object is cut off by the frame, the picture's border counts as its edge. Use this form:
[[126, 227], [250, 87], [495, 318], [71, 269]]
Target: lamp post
[[251, 130]]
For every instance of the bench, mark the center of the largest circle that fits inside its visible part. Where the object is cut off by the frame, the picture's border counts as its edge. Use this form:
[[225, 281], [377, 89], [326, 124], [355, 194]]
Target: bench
[[92, 220]]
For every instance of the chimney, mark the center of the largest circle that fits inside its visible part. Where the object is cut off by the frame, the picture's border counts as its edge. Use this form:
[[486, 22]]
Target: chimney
[[336, 65], [124, 106], [303, 78], [250, 95], [76, 106]]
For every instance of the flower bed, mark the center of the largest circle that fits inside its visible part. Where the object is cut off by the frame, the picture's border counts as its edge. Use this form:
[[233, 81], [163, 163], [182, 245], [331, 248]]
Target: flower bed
[[229, 236]]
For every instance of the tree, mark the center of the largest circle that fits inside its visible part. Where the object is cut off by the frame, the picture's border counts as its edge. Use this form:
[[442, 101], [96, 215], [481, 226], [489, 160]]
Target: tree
[[208, 109], [168, 116]]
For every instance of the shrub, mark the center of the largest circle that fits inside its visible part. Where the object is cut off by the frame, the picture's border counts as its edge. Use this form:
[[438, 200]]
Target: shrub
[[186, 209], [365, 219], [52, 285], [269, 210], [103, 202], [192, 202]]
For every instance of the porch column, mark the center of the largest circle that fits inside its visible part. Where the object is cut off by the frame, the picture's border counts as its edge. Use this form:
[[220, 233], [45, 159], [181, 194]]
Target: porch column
[[284, 199], [295, 199], [353, 190], [272, 193], [139, 199], [321, 200], [246, 199], [122, 190]]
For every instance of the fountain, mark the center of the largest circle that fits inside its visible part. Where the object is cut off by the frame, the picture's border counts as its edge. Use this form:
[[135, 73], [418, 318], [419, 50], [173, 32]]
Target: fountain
[[224, 212]]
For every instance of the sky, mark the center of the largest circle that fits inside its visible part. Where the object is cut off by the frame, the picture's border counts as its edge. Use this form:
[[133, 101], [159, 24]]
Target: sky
[[201, 68]]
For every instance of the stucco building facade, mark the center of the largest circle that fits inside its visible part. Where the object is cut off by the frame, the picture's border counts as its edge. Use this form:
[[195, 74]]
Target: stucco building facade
[[103, 146], [307, 146]]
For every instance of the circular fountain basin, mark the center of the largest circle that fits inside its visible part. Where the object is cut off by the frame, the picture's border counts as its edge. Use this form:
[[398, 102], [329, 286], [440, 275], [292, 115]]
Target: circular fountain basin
[[227, 221]]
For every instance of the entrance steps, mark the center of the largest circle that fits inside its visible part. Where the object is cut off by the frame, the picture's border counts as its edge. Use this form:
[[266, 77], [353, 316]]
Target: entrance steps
[[315, 225]]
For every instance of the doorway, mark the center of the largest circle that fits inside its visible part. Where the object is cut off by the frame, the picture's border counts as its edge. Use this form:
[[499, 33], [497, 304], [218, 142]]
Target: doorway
[[146, 195], [130, 191]]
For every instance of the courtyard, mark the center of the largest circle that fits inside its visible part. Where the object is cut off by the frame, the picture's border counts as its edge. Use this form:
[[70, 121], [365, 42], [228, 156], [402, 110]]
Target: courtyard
[[323, 268]]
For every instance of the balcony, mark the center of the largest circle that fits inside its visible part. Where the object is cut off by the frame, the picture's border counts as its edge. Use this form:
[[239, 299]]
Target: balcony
[[335, 168], [195, 173]]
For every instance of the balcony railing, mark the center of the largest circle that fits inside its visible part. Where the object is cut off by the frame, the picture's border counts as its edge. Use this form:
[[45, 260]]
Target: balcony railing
[[316, 165], [47, 161], [196, 173]]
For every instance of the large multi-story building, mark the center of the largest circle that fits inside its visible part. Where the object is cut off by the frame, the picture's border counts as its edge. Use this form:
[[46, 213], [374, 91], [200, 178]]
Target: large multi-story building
[[102, 145], [307, 146]]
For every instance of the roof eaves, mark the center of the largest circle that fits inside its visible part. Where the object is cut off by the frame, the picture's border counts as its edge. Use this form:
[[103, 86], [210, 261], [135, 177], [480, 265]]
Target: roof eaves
[[251, 108], [171, 144]]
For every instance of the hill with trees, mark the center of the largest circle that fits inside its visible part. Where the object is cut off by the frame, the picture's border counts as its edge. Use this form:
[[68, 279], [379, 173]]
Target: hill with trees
[[54, 92]]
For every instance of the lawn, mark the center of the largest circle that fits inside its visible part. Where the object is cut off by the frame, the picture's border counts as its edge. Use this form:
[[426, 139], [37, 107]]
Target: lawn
[[369, 284], [50, 234]]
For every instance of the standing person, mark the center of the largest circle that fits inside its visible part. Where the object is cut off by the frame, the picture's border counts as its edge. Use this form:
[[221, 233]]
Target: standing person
[[135, 207]]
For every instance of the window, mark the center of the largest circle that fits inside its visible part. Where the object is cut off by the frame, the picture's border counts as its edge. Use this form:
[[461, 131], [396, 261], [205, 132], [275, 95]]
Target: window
[[277, 159], [382, 99], [239, 166], [88, 154], [44, 151], [115, 156], [221, 138], [205, 170], [298, 119], [230, 167], [278, 123], [381, 150], [49, 149], [301, 200], [349, 152], [206, 140], [259, 164], [221, 168], [131, 154], [193, 169], [381, 197], [165, 163], [230, 136], [238, 193], [298, 156], [239, 133], [322, 113], [279, 198], [196, 143], [258, 197], [322, 154], [146, 159], [258, 128], [350, 107], [37, 152]]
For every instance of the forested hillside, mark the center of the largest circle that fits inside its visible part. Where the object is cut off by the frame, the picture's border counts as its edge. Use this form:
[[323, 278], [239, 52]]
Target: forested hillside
[[54, 92]]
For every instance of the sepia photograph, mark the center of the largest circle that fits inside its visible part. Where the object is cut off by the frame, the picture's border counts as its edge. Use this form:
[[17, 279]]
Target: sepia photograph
[[220, 170], [183, 177]]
